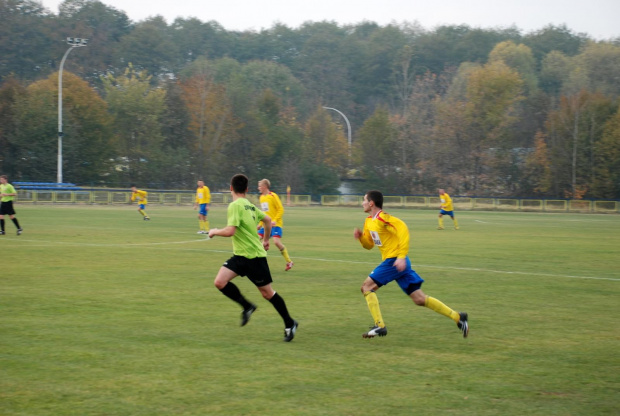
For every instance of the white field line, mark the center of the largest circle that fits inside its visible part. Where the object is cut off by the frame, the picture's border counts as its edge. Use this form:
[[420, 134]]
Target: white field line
[[469, 269]]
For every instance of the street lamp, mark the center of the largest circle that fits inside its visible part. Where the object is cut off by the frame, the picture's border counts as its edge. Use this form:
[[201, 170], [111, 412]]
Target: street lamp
[[75, 43], [348, 128]]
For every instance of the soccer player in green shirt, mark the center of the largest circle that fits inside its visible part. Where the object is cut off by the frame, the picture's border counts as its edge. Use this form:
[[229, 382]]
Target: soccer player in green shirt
[[7, 195], [249, 256]]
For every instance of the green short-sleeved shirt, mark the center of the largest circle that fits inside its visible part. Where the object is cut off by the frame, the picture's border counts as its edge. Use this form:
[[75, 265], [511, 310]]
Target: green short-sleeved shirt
[[245, 216], [7, 189]]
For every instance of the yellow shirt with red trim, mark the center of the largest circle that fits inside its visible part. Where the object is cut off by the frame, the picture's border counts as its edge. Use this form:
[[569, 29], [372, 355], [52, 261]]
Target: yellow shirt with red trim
[[203, 195], [387, 232], [446, 202], [140, 196], [271, 205]]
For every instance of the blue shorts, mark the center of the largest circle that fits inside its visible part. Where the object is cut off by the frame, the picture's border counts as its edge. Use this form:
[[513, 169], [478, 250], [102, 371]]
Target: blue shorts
[[275, 232], [450, 213], [408, 279], [142, 206], [202, 209]]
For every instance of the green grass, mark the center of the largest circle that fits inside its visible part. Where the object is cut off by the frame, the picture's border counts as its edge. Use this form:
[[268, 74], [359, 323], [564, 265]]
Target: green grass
[[105, 314]]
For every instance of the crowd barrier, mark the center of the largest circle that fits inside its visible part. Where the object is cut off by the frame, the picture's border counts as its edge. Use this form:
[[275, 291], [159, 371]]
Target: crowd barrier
[[403, 201], [124, 197]]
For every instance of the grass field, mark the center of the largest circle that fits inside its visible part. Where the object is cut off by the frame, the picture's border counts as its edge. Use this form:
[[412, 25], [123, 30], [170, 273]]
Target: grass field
[[102, 313]]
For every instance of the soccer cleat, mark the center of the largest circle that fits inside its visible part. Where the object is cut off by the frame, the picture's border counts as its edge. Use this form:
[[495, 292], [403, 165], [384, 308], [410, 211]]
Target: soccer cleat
[[2, 232], [289, 266], [246, 314], [19, 231], [375, 331], [147, 219], [289, 333], [201, 232], [462, 324], [456, 228], [440, 228]]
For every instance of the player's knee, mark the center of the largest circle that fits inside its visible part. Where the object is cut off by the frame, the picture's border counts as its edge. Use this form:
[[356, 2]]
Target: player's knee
[[219, 284]]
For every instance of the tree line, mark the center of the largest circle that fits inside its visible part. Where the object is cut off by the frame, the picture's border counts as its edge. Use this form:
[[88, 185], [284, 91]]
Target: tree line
[[481, 112]]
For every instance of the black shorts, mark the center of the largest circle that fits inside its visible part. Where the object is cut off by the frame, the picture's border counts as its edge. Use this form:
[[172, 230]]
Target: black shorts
[[256, 269], [6, 208]]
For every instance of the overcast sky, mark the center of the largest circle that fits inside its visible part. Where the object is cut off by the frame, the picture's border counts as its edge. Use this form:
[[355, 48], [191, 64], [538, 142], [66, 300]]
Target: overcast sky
[[598, 18]]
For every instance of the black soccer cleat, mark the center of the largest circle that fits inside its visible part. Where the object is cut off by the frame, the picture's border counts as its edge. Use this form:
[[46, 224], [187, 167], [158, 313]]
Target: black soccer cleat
[[289, 333], [462, 324], [375, 331], [19, 231], [246, 314], [2, 232]]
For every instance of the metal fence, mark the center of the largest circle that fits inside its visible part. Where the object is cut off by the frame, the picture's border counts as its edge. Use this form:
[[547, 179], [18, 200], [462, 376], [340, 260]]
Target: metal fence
[[482, 204], [398, 201]]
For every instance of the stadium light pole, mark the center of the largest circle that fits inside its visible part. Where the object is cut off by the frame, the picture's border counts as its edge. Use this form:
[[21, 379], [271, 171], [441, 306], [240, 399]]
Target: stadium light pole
[[348, 128], [75, 43]]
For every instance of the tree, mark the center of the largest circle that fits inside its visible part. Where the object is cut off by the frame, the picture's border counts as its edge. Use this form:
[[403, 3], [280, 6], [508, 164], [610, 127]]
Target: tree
[[378, 152], [86, 127], [10, 92], [492, 93], [324, 143], [211, 119], [606, 183], [136, 107]]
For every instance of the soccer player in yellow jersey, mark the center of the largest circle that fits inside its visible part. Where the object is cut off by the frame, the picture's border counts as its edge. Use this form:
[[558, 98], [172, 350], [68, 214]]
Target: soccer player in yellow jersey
[[391, 235], [271, 205], [446, 208], [203, 199], [140, 196]]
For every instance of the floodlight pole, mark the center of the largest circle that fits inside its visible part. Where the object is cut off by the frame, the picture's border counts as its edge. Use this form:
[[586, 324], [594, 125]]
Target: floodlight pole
[[75, 43], [348, 128]]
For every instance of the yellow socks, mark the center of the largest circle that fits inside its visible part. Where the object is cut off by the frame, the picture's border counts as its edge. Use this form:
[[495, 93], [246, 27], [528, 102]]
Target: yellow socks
[[284, 252], [456, 223], [203, 225], [142, 212], [373, 306], [440, 223], [441, 308], [206, 225]]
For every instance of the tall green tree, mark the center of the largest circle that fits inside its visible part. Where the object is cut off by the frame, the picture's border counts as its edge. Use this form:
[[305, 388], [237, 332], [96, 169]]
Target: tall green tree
[[136, 107], [86, 128]]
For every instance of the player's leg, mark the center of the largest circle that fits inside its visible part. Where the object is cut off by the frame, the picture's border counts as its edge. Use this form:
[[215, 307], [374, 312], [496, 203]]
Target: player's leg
[[277, 239], [14, 219], [369, 288], [421, 299], [1, 224], [456, 223], [223, 282], [440, 221], [260, 275]]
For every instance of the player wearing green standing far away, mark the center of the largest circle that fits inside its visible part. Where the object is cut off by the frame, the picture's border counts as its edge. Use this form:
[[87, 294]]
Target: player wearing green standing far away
[[271, 205], [203, 199], [249, 256], [7, 195], [446, 208], [391, 235], [137, 194]]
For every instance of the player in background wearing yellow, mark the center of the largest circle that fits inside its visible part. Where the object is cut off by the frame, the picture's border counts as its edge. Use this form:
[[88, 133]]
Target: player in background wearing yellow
[[391, 235], [446, 208], [271, 205], [7, 195], [140, 196], [203, 199]]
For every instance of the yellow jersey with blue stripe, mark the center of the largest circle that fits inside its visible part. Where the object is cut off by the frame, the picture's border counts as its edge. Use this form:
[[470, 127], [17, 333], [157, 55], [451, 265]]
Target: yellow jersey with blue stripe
[[140, 196], [388, 233], [446, 202], [271, 205], [203, 195]]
